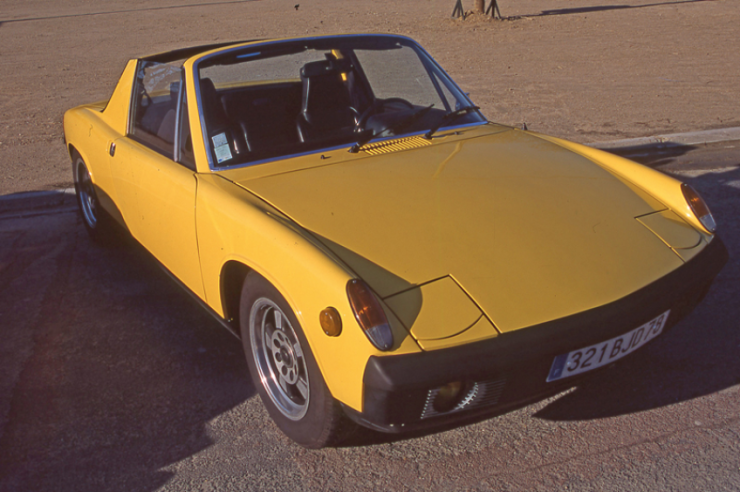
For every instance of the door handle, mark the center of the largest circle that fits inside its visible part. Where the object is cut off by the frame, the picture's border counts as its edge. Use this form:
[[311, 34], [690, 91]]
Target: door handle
[[112, 149]]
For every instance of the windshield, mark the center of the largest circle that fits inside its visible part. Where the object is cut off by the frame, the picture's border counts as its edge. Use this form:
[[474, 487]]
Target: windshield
[[286, 98]]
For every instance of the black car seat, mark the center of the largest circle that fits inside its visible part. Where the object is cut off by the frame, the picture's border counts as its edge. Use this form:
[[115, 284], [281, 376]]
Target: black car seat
[[326, 109]]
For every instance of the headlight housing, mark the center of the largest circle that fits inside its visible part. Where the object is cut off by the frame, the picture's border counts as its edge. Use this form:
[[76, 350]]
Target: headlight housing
[[369, 314], [699, 207]]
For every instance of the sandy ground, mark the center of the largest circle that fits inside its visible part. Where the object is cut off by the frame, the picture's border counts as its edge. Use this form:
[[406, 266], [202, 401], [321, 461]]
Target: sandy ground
[[587, 70]]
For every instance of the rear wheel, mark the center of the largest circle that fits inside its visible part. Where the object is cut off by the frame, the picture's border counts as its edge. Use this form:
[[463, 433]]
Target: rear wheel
[[96, 220], [284, 370]]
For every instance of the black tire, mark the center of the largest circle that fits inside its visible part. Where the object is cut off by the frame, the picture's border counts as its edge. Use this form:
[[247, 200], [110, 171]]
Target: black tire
[[96, 220], [284, 371]]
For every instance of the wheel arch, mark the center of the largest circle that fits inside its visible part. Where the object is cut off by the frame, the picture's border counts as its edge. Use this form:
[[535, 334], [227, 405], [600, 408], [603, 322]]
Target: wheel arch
[[72, 150], [233, 273], [74, 153]]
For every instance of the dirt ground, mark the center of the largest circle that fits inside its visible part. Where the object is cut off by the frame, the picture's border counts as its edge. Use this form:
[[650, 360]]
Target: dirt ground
[[586, 70]]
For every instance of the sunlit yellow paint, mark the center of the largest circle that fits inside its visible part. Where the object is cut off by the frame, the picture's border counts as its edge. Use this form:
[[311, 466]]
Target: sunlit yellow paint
[[234, 225], [531, 231], [480, 330], [675, 232], [157, 199], [436, 310], [526, 225], [661, 186]]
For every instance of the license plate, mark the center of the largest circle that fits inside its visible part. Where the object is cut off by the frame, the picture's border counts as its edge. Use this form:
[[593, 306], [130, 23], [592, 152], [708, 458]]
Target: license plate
[[601, 354]]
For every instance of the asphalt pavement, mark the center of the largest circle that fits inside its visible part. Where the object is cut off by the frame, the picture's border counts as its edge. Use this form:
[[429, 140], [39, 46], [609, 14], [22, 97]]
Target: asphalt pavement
[[111, 378]]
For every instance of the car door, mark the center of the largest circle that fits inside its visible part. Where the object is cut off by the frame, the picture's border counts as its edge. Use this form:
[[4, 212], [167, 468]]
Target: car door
[[155, 180]]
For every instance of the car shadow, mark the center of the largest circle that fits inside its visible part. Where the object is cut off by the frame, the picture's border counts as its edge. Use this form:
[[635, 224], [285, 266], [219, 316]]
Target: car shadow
[[125, 374], [654, 156], [699, 356]]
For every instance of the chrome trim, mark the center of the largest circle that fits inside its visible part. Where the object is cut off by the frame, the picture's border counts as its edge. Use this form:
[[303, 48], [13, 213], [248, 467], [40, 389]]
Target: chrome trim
[[178, 117], [456, 127], [278, 158], [465, 94], [132, 100], [196, 87]]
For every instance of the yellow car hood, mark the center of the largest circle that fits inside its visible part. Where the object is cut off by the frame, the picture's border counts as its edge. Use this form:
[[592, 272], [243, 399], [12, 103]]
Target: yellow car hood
[[526, 230]]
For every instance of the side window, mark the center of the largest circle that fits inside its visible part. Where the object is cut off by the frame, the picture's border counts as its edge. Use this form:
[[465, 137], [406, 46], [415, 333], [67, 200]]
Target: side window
[[155, 105]]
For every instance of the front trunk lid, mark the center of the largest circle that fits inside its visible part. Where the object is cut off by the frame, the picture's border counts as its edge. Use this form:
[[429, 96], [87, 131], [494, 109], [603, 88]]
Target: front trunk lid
[[528, 231]]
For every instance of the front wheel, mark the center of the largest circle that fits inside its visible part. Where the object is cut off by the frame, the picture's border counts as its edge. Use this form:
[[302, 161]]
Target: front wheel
[[284, 370]]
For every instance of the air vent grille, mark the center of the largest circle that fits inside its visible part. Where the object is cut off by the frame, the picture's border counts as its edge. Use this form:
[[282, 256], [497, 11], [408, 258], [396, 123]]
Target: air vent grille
[[389, 146]]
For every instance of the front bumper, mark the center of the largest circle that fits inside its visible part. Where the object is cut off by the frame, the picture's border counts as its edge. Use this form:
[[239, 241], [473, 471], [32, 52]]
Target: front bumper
[[511, 369]]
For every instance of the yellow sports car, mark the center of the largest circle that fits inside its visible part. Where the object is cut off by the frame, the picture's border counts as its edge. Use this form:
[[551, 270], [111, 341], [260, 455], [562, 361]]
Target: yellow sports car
[[387, 256]]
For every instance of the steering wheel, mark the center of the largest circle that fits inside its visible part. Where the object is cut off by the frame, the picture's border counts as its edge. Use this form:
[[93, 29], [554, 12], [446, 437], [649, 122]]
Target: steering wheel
[[373, 108], [355, 114], [398, 100], [362, 120]]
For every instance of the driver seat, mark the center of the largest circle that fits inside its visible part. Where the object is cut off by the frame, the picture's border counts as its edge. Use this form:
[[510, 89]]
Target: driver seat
[[326, 109]]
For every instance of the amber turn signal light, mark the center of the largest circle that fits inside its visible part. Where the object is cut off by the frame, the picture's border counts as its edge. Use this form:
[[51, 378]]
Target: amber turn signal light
[[331, 322]]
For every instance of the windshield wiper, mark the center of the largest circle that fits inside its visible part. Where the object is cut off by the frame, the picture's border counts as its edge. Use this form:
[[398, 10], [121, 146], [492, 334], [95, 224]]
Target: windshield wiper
[[398, 126], [449, 117]]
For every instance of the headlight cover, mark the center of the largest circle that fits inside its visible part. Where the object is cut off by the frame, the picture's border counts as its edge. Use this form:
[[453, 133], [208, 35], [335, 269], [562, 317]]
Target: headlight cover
[[699, 207], [369, 314]]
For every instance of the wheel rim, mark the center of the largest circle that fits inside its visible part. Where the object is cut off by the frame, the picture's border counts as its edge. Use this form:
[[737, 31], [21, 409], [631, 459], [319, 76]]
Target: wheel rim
[[279, 359], [86, 194]]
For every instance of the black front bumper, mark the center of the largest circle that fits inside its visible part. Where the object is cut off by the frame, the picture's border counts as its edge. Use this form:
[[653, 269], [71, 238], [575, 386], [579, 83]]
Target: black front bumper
[[511, 369]]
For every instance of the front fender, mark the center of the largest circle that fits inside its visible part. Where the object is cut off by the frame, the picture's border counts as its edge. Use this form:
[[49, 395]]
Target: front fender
[[660, 186], [234, 225]]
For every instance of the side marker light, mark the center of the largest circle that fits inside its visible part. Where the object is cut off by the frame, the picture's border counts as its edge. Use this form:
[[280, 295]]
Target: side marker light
[[331, 322]]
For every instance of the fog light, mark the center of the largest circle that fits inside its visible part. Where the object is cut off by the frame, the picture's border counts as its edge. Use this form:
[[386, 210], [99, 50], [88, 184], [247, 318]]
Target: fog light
[[331, 322], [448, 397]]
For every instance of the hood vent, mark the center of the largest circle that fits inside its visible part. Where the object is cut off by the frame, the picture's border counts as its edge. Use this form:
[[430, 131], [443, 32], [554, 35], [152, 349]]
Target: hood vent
[[389, 146]]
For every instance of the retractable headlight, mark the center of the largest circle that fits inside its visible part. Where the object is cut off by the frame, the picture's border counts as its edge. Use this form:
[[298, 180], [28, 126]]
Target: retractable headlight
[[699, 207], [369, 314]]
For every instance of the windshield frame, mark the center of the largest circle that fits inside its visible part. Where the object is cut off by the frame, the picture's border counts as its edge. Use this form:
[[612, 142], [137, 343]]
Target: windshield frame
[[318, 43]]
